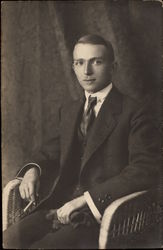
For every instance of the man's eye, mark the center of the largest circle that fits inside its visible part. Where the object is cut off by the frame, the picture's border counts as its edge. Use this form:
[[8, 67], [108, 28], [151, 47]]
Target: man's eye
[[97, 62], [78, 63]]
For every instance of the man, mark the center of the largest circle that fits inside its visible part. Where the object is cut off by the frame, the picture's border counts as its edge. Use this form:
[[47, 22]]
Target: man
[[107, 146]]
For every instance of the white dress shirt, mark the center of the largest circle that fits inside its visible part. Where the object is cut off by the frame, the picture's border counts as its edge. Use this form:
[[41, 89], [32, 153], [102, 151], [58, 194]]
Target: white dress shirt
[[101, 96]]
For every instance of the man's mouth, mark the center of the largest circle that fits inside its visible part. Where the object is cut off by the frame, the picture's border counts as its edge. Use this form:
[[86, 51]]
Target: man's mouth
[[89, 80]]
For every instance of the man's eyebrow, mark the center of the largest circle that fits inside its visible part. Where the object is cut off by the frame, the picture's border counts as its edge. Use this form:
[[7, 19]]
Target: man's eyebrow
[[78, 59], [97, 57], [91, 59]]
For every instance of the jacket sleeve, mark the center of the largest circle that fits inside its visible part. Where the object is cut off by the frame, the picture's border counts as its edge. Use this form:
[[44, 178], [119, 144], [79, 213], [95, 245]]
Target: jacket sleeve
[[142, 171]]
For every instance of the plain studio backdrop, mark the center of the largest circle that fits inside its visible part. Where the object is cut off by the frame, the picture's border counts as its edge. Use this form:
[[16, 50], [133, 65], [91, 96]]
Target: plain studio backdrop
[[37, 43]]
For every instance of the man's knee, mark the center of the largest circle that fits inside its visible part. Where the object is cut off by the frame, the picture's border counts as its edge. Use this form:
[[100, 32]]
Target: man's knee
[[23, 233]]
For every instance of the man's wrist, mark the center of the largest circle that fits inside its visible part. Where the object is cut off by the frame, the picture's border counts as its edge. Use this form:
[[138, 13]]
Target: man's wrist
[[82, 200], [79, 202], [26, 167], [32, 171]]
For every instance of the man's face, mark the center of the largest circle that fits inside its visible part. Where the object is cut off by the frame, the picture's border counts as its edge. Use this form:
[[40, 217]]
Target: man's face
[[92, 66]]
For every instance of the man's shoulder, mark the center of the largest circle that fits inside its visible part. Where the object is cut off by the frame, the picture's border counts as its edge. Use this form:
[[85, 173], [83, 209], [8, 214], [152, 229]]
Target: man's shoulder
[[136, 100], [131, 103]]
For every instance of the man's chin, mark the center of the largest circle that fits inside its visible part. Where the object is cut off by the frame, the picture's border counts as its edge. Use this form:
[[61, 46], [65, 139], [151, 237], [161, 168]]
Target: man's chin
[[90, 89]]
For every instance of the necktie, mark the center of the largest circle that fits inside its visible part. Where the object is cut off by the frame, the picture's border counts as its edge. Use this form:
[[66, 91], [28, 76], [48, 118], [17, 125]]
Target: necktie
[[88, 116]]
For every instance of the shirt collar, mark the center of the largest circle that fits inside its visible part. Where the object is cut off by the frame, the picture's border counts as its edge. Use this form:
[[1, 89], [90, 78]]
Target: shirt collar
[[101, 95]]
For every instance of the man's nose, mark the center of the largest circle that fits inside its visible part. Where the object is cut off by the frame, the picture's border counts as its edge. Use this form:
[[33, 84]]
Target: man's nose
[[87, 69]]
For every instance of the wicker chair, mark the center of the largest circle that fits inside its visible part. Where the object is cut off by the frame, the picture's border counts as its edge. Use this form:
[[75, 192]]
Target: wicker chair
[[132, 221]]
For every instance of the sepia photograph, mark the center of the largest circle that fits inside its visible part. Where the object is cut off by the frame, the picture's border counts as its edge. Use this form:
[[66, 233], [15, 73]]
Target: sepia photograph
[[82, 124]]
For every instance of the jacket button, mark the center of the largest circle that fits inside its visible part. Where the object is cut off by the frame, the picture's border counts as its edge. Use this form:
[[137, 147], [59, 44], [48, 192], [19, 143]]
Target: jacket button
[[102, 201], [99, 199]]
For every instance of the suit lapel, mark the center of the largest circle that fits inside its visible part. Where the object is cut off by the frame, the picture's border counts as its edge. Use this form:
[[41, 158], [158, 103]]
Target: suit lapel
[[104, 124], [71, 113]]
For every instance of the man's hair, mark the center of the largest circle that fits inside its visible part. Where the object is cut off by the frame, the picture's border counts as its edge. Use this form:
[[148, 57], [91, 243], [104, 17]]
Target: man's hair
[[97, 40]]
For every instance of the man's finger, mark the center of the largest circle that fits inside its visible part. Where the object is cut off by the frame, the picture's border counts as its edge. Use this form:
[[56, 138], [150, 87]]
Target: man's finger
[[22, 193], [63, 214], [26, 191], [60, 215], [31, 189], [66, 219]]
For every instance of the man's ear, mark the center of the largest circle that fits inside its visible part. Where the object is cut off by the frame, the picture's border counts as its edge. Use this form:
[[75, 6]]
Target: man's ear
[[73, 67], [73, 70], [114, 67]]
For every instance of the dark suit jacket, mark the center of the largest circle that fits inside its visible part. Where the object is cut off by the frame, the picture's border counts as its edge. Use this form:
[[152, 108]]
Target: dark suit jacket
[[122, 154]]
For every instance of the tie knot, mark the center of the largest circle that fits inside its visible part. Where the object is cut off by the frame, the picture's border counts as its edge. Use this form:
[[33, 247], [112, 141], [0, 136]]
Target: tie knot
[[91, 102]]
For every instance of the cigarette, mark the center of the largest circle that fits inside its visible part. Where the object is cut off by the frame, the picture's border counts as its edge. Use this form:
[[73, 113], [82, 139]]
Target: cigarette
[[29, 204]]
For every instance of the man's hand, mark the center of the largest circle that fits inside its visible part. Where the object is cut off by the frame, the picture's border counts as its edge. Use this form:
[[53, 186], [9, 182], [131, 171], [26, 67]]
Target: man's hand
[[30, 185], [64, 212]]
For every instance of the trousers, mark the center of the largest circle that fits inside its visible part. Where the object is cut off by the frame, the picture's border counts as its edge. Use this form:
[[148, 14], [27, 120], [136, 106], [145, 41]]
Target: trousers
[[35, 231]]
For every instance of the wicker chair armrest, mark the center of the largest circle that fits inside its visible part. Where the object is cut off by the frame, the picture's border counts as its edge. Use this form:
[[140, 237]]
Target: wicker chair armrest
[[8, 201], [12, 203], [127, 216]]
